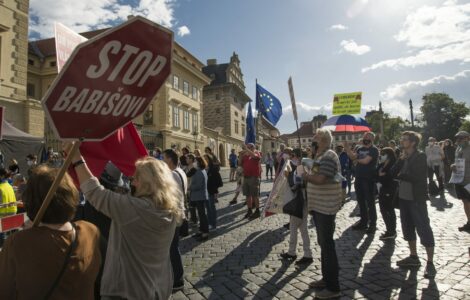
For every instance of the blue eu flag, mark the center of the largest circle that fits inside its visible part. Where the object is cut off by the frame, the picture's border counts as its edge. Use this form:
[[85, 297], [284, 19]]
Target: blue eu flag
[[269, 106], [250, 127]]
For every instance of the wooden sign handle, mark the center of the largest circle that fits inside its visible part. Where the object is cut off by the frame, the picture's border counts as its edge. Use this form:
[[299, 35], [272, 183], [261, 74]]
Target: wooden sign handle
[[55, 184]]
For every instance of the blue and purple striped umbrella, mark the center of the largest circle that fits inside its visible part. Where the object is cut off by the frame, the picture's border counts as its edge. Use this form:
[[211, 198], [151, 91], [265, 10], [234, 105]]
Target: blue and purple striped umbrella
[[346, 123]]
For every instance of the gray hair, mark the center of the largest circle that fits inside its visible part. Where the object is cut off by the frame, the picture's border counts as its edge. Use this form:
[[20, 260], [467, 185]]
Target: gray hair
[[324, 135], [371, 134]]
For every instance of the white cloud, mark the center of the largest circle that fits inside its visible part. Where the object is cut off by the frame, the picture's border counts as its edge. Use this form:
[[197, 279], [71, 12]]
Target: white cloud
[[454, 52], [430, 26], [183, 30], [85, 15], [396, 96], [399, 90], [438, 34], [339, 27], [353, 47]]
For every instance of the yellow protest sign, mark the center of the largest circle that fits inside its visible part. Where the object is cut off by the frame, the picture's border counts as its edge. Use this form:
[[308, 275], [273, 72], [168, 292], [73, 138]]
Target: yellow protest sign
[[347, 104]]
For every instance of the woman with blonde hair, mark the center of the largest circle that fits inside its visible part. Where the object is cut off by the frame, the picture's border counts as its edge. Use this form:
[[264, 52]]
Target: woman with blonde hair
[[143, 224]]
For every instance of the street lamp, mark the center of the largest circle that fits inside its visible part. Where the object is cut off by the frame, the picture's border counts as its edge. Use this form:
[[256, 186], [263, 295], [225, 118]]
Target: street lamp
[[195, 134]]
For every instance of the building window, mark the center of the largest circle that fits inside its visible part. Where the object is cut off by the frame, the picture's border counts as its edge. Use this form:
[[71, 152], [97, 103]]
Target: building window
[[243, 130], [236, 127], [148, 116], [217, 97], [217, 110], [185, 120], [176, 116], [30, 62], [195, 122], [176, 82], [304, 141], [243, 118], [186, 88], [194, 93], [31, 90], [236, 114], [52, 64]]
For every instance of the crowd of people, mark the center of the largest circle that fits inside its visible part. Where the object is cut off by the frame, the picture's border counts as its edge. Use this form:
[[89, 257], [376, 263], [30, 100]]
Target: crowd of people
[[89, 237]]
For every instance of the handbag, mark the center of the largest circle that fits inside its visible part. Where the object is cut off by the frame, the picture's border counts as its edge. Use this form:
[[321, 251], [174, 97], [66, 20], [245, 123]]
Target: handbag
[[72, 246], [295, 207]]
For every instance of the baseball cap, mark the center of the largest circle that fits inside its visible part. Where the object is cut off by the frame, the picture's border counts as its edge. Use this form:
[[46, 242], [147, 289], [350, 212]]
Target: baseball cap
[[462, 134]]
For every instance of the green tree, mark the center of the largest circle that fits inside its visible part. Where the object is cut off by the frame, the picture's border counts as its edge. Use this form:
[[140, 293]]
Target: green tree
[[442, 116], [465, 126], [392, 126]]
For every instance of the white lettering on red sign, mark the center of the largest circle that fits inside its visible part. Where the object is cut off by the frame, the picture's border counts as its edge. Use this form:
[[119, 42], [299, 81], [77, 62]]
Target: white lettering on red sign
[[98, 102], [142, 67]]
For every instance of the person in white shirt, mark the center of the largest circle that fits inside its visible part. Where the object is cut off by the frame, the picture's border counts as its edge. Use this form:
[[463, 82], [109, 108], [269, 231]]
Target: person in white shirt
[[435, 161], [170, 157]]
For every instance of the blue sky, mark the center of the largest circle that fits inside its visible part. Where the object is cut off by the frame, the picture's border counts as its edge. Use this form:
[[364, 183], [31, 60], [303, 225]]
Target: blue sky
[[390, 50]]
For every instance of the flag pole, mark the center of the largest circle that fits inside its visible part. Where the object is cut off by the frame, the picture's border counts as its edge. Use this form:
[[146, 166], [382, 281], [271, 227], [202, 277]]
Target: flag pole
[[294, 108], [257, 109], [257, 134]]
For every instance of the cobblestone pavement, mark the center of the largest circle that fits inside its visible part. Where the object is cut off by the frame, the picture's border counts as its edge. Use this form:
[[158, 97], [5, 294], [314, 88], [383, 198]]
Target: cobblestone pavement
[[241, 259]]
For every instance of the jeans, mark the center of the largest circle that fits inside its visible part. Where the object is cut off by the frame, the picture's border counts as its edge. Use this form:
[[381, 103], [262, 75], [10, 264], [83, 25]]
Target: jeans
[[211, 211], [175, 257], [365, 189], [201, 211], [388, 211], [325, 226], [414, 218]]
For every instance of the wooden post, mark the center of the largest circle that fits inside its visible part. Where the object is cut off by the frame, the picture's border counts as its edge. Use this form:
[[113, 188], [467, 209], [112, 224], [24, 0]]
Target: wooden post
[[55, 184]]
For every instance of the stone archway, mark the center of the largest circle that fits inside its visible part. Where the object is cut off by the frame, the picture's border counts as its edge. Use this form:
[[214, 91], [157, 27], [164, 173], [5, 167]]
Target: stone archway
[[222, 158]]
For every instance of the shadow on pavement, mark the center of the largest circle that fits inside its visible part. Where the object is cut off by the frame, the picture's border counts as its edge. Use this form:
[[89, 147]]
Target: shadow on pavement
[[249, 254], [350, 261], [274, 285], [379, 273], [440, 202], [409, 286]]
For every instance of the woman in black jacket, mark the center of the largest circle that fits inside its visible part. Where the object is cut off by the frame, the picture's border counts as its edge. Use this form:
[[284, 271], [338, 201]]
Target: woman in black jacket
[[214, 181], [388, 186], [449, 159], [413, 194]]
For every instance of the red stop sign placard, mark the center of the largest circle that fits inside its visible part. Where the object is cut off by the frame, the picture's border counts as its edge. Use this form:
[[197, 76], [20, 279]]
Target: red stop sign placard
[[109, 80]]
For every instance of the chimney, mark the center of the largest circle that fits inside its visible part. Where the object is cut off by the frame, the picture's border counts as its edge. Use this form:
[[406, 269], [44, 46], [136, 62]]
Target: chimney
[[211, 62]]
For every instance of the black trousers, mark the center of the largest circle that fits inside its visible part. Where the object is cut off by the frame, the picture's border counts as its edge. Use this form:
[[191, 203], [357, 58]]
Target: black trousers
[[365, 190], [325, 226], [435, 170], [269, 169], [387, 210], [175, 257]]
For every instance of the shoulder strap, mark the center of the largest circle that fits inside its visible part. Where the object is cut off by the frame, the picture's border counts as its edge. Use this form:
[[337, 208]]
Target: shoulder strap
[[72, 246], [182, 182]]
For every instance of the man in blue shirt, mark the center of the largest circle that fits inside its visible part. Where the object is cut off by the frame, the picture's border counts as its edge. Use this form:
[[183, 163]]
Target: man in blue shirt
[[233, 161]]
